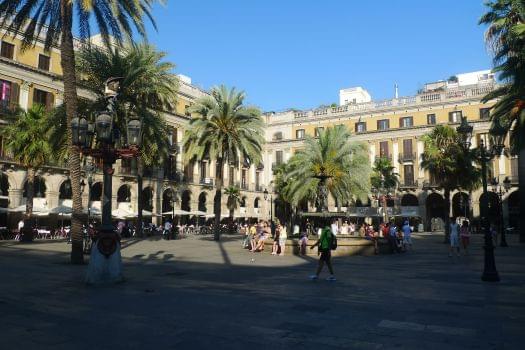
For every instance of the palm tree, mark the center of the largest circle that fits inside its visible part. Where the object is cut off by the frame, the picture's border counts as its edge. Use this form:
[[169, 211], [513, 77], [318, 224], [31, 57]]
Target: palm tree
[[345, 161], [234, 199], [28, 143], [225, 130], [449, 164], [505, 37], [383, 176], [54, 20]]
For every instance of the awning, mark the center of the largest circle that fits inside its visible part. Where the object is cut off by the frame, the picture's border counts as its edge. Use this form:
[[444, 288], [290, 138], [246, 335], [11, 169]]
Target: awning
[[176, 212]]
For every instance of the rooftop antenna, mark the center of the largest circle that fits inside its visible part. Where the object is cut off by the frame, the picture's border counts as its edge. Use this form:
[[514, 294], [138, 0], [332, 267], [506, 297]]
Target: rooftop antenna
[[396, 91]]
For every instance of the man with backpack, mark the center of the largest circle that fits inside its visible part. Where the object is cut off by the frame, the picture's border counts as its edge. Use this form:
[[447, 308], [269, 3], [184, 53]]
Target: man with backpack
[[326, 243]]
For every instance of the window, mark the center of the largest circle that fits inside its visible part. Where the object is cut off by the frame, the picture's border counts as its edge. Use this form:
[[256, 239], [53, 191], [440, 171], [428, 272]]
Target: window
[[318, 131], [187, 112], [383, 149], [484, 113], [7, 50], [485, 138], [278, 136], [43, 98], [407, 149], [455, 116], [244, 179], [383, 124], [8, 94], [279, 157], [257, 180], [43, 62], [204, 170], [406, 122], [409, 175], [360, 127], [431, 119], [299, 133]]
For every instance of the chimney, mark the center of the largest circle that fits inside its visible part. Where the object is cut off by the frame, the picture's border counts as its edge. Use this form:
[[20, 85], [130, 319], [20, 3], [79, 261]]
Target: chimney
[[396, 91]]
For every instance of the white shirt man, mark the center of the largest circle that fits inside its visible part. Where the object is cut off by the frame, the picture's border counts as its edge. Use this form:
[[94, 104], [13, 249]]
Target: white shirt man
[[20, 225], [335, 228]]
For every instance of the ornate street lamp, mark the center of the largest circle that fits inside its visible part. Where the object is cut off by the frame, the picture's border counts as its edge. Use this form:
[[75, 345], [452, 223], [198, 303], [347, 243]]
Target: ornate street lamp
[[108, 150], [484, 155], [104, 127]]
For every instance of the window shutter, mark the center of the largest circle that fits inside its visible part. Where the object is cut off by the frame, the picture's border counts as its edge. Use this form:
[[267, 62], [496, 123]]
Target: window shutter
[[50, 100], [15, 94]]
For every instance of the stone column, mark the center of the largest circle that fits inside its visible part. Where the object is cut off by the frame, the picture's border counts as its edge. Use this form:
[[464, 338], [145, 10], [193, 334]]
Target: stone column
[[395, 154], [24, 95], [372, 153], [15, 197]]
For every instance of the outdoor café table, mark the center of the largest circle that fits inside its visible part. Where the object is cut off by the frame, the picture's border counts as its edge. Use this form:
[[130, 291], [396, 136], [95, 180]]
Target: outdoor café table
[[42, 233]]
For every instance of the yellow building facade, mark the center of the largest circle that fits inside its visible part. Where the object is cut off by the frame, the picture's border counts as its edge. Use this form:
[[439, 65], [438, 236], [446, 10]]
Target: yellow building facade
[[393, 129]]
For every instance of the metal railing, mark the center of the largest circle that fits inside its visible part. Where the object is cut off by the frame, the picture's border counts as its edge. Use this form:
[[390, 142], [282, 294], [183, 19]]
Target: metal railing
[[385, 156], [206, 181], [407, 157], [408, 183]]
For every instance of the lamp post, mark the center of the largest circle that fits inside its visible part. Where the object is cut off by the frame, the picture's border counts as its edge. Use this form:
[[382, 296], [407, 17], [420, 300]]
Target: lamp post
[[484, 155], [89, 169], [382, 195], [107, 146], [265, 194], [500, 191]]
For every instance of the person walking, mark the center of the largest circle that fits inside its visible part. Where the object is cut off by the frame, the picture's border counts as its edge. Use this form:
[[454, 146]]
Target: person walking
[[167, 230], [392, 237], [275, 246], [454, 237], [407, 235], [325, 246], [464, 234], [282, 240]]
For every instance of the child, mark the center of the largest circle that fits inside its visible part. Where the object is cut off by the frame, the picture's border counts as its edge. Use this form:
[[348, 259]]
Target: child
[[464, 234], [303, 243]]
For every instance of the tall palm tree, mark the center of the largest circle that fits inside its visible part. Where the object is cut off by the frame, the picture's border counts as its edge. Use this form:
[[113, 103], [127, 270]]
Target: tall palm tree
[[233, 194], [225, 130], [383, 176], [27, 141], [447, 162], [347, 163], [505, 37], [54, 20]]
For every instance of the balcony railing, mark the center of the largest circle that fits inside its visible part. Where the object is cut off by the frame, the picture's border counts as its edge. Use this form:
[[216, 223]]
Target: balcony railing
[[450, 94], [385, 156], [206, 181], [407, 157], [259, 188], [127, 170], [244, 186], [430, 184], [408, 184]]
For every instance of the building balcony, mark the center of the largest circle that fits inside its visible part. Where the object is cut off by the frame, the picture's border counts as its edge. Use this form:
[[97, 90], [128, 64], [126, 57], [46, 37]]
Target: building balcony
[[407, 157], [206, 181], [408, 185], [244, 186], [427, 184], [259, 188], [385, 156], [127, 170]]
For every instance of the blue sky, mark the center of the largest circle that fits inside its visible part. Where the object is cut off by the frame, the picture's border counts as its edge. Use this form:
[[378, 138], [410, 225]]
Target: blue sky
[[298, 54]]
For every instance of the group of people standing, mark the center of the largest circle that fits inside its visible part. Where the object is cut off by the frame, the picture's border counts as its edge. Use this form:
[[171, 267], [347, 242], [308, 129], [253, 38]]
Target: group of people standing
[[257, 234], [459, 234]]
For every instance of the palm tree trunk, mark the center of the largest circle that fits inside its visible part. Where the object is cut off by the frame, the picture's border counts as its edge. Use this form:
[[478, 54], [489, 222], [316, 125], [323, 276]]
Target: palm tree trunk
[[140, 174], [28, 220], [217, 200], [70, 99], [521, 189], [30, 193], [447, 215]]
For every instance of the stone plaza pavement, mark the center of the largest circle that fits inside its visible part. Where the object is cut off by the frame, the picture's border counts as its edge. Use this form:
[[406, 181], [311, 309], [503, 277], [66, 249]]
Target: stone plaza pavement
[[198, 294]]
